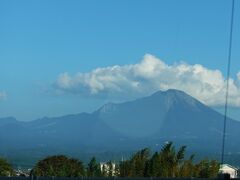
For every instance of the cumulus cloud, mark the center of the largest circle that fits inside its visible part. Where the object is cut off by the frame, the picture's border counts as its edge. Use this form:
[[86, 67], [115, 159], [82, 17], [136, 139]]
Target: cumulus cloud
[[149, 75], [3, 95], [238, 76]]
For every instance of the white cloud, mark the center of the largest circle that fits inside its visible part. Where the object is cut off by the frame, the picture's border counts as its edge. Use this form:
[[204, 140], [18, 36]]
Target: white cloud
[[150, 75], [238, 76], [3, 95]]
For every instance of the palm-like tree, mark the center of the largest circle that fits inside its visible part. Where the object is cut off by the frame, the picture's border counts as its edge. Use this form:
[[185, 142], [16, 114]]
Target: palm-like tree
[[170, 160]]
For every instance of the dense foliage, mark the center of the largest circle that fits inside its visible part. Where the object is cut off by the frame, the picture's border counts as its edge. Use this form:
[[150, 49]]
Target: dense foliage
[[59, 166], [93, 168], [168, 162], [5, 168]]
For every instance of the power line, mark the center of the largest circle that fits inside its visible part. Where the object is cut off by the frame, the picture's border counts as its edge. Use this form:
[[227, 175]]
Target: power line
[[228, 76]]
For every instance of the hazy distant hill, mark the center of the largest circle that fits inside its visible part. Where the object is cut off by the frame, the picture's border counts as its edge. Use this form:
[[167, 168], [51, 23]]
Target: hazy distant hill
[[164, 116]]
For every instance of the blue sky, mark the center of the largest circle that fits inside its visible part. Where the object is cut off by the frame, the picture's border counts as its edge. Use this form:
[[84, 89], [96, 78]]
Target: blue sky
[[41, 40]]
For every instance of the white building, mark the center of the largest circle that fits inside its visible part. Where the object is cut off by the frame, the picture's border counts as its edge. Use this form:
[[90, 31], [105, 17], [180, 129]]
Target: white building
[[228, 169], [106, 166]]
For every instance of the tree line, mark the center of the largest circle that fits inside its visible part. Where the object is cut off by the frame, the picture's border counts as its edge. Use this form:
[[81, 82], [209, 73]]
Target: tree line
[[168, 162]]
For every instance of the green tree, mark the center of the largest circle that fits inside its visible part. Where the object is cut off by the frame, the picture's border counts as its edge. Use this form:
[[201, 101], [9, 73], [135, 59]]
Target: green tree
[[168, 162], [93, 169], [178, 160], [206, 169], [125, 168], [59, 166], [138, 163], [5, 168], [154, 165], [214, 168], [188, 168]]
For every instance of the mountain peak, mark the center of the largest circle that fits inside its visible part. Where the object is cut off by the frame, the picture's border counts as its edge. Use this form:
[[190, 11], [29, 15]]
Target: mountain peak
[[176, 96], [175, 92]]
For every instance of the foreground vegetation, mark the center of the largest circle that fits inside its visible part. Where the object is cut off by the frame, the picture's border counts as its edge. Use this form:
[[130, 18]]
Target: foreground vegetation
[[168, 162], [5, 168]]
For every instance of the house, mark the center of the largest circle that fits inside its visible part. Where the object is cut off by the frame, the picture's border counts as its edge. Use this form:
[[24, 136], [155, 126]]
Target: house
[[108, 167], [22, 173], [228, 169]]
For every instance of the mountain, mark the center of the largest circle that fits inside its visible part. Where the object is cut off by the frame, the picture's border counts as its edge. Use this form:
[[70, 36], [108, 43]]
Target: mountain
[[147, 116], [172, 115], [164, 116], [80, 130]]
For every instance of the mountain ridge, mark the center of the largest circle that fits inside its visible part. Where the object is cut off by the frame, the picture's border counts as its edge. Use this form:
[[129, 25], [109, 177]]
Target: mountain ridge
[[109, 104], [163, 116]]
